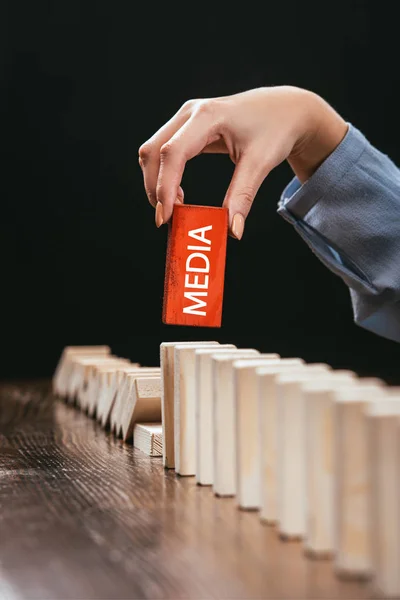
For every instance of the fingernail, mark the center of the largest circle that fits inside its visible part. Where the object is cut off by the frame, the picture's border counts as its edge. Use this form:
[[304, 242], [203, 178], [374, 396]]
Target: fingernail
[[159, 214], [178, 201], [237, 226]]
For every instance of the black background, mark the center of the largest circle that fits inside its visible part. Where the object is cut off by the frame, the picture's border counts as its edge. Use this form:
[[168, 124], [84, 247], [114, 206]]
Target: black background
[[83, 84]]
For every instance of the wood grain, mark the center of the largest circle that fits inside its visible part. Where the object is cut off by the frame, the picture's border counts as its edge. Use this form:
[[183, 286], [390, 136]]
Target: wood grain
[[85, 516]]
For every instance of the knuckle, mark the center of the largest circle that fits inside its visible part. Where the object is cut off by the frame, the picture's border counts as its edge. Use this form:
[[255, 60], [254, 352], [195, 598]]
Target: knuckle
[[205, 107], [145, 152], [167, 150], [188, 105]]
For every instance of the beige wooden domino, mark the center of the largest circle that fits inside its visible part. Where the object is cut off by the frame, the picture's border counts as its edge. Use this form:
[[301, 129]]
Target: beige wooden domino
[[108, 400], [61, 371], [267, 435], [319, 399], [107, 387], [291, 449], [123, 392], [108, 396], [204, 409], [79, 374], [384, 447], [248, 493], [147, 437], [65, 381], [185, 408], [143, 404], [114, 390], [167, 398], [224, 471], [96, 381], [353, 551], [90, 395]]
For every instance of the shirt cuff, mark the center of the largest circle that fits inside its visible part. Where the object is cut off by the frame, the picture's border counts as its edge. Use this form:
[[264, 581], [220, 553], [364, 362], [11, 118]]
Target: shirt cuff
[[297, 199]]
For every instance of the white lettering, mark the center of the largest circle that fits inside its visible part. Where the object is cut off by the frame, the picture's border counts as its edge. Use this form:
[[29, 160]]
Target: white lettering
[[195, 283], [198, 269], [193, 309], [202, 235], [197, 262]]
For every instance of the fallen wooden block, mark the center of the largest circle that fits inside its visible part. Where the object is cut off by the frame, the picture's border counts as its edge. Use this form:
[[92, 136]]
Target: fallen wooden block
[[79, 373], [87, 370], [142, 404], [106, 387], [107, 396], [167, 397], [267, 434], [185, 408], [353, 550], [115, 388], [204, 409], [147, 437], [384, 446], [319, 402], [291, 449], [224, 434], [195, 266], [61, 372], [90, 395], [121, 397]]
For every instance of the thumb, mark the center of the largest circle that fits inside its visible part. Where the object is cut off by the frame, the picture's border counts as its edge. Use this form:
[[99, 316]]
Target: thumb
[[246, 181]]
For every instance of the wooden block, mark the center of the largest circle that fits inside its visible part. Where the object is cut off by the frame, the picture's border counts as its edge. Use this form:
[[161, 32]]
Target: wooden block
[[232, 417], [185, 408], [204, 409], [61, 371], [267, 434], [91, 395], [319, 403], [143, 403], [291, 449], [79, 373], [224, 472], [114, 389], [246, 427], [106, 387], [147, 437], [384, 448], [67, 373], [107, 398], [167, 398], [121, 397], [86, 387], [195, 266], [353, 550]]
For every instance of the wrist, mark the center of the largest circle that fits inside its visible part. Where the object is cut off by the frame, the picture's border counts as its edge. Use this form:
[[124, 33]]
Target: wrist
[[323, 131]]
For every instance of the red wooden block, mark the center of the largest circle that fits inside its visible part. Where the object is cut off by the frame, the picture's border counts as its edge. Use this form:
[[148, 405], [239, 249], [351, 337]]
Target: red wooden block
[[195, 266]]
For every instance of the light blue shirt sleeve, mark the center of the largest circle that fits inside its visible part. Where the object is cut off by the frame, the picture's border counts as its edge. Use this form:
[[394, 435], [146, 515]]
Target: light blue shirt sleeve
[[348, 212]]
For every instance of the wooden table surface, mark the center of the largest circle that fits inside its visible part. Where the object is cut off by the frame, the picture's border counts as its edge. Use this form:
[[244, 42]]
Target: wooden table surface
[[82, 516]]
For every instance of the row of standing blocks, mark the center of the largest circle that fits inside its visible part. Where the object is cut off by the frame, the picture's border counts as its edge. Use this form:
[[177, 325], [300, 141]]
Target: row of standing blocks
[[315, 450]]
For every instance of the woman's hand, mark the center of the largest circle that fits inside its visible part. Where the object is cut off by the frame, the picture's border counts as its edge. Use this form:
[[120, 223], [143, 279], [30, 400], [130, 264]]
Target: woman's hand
[[259, 129]]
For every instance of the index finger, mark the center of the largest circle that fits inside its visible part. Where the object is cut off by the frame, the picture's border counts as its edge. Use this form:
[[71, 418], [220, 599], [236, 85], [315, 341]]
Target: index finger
[[189, 141], [149, 152]]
